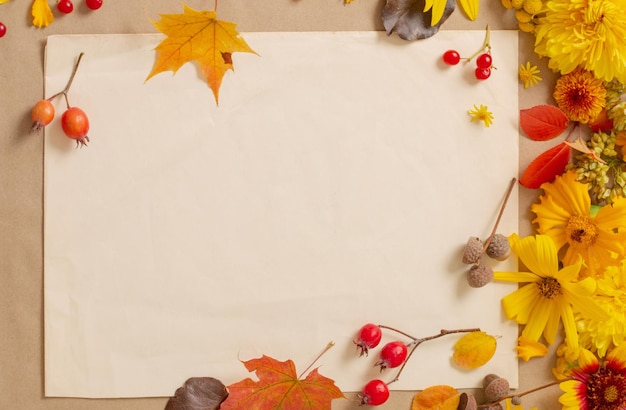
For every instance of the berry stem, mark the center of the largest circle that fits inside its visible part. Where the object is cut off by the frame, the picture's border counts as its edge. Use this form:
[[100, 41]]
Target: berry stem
[[510, 396], [327, 348], [418, 341], [69, 82], [486, 45], [397, 331], [502, 207]]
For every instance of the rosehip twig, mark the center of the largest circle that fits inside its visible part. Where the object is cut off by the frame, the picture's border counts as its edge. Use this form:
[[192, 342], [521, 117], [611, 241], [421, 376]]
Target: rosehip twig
[[419, 340], [69, 82], [510, 396]]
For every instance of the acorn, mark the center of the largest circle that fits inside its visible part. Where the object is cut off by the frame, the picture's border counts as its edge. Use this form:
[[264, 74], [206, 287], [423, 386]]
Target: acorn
[[479, 275], [473, 250], [497, 389], [499, 247]]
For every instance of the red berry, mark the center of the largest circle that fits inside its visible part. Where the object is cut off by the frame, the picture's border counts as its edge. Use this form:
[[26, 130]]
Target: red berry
[[451, 57], [94, 4], [3, 29], [369, 337], [75, 125], [65, 6], [482, 73], [484, 61], [374, 393], [392, 355], [42, 114]]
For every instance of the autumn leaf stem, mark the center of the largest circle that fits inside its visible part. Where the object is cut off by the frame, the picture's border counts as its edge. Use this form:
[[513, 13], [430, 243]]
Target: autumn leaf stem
[[418, 341], [500, 213], [327, 348], [215, 7], [522, 394], [69, 82], [575, 127]]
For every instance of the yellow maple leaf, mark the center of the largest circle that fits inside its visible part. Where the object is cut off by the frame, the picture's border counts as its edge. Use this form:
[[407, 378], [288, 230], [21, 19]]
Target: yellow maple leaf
[[42, 14], [474, 350], [198, 36]]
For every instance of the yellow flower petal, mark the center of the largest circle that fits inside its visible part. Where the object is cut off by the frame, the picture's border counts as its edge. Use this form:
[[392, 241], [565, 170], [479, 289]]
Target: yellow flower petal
[[569, 326], [569, 193], [518, 305], [517, 277], [527, 349], [588, 361], [540, 314], [538, 254], [42, 14]]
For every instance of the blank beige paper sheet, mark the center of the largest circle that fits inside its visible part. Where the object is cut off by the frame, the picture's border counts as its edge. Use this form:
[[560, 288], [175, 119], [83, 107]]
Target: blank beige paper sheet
[[334, 185]]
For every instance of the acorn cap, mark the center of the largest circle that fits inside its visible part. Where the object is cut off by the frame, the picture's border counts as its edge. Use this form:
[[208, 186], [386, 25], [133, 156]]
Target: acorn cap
[[467, 401], [479, 275], [473, 250], [499, 247]]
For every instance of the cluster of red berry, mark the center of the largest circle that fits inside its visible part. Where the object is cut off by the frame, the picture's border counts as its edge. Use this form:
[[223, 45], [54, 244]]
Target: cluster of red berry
[[393, 354], [74, 121], [484, 63], [66, 6]]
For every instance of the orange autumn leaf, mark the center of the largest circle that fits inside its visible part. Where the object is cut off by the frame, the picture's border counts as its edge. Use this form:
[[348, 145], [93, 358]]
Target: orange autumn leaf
[[474, 350], [441, 397], [198, 36], [278, 387], [546, 166]]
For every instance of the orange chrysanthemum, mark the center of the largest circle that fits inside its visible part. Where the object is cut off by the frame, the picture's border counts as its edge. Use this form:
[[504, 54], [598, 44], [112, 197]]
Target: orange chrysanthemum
[[580, 95]]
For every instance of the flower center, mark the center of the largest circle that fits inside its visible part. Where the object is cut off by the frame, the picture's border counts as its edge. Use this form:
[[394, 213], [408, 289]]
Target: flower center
[[606, 390], [549, 287], [581, 231]]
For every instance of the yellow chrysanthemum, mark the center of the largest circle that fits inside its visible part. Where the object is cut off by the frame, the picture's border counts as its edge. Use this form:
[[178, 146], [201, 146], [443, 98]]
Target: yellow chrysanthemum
[[596, 385], [42, 14], [602, 336], [550, 294], [580, 95], [528, 75], [584, 33], [563, 213], [481, 113]]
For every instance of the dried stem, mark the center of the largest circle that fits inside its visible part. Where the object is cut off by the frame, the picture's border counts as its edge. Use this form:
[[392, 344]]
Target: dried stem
[[510, 396], [486, 45], [69, 82], [418, 341], [502, 207], [327, 348]]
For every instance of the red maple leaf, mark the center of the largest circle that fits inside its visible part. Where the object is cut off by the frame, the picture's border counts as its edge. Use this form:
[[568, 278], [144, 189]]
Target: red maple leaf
[[279, 387]]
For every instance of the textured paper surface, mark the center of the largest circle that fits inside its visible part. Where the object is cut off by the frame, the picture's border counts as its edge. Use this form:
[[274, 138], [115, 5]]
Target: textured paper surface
[[334, 185]]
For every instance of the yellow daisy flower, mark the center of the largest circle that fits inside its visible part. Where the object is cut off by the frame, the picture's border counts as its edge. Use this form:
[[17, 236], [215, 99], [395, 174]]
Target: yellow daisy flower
[[528, 75], [550, 294], [589, 34], [580, 95], [595, 384], [599, 337], [563, 213], [481, 113]]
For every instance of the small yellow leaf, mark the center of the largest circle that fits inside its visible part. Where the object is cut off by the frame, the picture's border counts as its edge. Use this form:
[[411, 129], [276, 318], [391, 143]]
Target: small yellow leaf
[[4, 1], [474, 350], [470, 8], [441, 397], [42, 14]]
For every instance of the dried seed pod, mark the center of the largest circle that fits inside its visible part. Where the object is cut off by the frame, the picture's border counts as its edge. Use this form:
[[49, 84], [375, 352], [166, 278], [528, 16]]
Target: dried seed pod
[[479, 275], [488, 379], [497, 389], [499, 247], [467, 401], [516, 400], [473, 250]]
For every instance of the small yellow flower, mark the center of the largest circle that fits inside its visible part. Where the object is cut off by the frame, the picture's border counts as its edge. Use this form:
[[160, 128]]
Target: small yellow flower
[[528, 75], [481, 113], [42, 14]]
